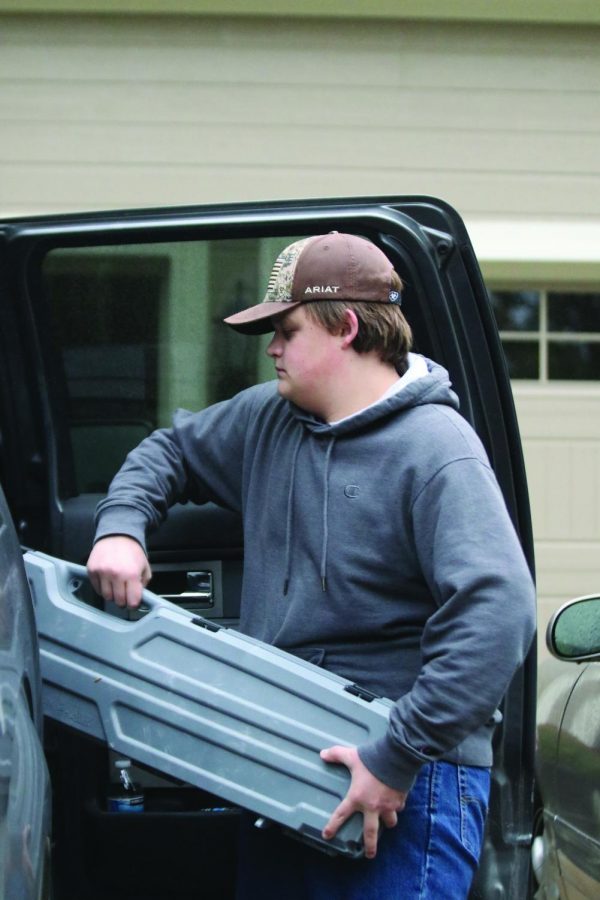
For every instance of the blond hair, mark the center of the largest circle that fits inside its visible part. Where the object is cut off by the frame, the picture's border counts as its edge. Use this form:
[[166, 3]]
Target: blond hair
[[381, 326]]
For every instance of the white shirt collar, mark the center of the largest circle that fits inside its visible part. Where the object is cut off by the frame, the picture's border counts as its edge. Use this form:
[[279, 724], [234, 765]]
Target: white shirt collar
[[417, 368]]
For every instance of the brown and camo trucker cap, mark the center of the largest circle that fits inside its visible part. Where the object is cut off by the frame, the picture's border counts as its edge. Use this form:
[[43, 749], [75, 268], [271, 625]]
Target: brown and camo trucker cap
[[331, 266]]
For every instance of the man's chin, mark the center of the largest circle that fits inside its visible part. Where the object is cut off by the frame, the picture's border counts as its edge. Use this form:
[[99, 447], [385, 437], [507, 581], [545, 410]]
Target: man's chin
[[286, 392]]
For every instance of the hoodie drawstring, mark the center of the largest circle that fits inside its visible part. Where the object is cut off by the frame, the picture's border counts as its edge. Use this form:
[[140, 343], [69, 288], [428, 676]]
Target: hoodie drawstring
[[288, 524], [290, 509], [326, 515]]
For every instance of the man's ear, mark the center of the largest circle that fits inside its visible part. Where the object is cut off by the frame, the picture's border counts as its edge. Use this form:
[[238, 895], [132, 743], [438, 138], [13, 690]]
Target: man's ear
[[349, 329]]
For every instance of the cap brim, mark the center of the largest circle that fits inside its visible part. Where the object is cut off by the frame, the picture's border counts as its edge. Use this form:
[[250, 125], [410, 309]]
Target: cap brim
[[257, 319]]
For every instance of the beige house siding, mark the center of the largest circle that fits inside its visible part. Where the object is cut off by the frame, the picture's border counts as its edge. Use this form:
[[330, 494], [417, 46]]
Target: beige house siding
[[103, 112], [502, 120]]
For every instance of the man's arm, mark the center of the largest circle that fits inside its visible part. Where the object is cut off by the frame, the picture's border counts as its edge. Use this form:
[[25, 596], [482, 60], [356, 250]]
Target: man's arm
[[151, 479], [478, 633], [471, 646], [199, 459]]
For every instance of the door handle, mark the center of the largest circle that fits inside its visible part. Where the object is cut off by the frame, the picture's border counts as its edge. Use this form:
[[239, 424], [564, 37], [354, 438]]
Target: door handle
[[200, 589]]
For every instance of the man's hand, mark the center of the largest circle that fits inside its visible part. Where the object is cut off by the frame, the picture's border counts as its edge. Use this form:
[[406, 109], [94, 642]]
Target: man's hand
[[366, 794], [119, 570]]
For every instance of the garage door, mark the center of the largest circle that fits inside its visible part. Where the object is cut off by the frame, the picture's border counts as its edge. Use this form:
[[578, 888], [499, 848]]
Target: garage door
[[560, 427]]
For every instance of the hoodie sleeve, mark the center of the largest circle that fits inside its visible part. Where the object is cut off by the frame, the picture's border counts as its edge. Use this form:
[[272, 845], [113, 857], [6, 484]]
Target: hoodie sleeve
[[200, 458], [482, 627]]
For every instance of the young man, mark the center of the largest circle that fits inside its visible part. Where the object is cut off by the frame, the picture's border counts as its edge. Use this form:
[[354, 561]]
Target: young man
[[377, 544]]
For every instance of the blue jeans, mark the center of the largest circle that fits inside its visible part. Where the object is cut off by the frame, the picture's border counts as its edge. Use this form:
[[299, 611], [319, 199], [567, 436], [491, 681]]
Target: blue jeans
[[431, 854]]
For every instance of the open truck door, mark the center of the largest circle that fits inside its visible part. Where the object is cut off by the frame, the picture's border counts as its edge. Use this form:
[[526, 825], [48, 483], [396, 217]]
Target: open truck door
[[112, 320]]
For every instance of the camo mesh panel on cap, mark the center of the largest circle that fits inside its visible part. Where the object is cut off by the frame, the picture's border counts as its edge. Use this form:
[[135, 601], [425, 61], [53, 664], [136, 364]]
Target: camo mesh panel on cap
[[280, 284]]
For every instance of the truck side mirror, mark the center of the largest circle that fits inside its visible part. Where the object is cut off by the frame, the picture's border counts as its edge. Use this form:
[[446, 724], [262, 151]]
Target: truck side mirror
[[574, 630]]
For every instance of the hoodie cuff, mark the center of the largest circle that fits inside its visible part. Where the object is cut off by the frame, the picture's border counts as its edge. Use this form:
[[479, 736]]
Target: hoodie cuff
[[391, 763], [122, 520]]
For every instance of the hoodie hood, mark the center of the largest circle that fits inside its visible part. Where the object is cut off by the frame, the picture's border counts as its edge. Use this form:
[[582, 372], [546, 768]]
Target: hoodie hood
[[435, 387]]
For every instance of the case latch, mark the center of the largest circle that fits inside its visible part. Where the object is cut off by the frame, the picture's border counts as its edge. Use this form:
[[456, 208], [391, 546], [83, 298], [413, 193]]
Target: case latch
[[361, 692]]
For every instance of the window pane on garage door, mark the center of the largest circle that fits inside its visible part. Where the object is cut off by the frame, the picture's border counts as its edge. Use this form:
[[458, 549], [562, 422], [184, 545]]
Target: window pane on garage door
[[573, 312], [574, 361]]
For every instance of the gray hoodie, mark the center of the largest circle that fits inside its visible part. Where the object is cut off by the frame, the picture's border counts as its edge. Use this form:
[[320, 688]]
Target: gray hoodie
[[378, 547]]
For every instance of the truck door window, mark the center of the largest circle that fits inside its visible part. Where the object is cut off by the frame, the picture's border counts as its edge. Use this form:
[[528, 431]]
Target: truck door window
[[138, 332]]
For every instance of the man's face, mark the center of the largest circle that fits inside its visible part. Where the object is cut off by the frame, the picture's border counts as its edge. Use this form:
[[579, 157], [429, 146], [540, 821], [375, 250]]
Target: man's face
[[306, 356]]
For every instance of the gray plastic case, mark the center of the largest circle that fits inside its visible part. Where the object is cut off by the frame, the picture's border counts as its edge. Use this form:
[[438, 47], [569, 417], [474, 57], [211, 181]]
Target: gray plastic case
[[204, 704]]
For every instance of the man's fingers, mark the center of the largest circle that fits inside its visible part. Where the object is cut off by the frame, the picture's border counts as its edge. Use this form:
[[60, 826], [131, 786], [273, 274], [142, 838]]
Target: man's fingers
[[106, 589], [389, 819], [338, 817], [122, 593], [119, 589], [146, 576], [95, 582], [370, 833], [133, 593], [336, 755]]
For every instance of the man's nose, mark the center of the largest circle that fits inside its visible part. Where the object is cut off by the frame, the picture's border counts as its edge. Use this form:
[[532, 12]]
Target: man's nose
[[274, 348]]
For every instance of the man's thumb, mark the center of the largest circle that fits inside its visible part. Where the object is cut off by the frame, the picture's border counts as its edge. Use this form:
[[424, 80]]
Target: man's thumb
[[334, 755]]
